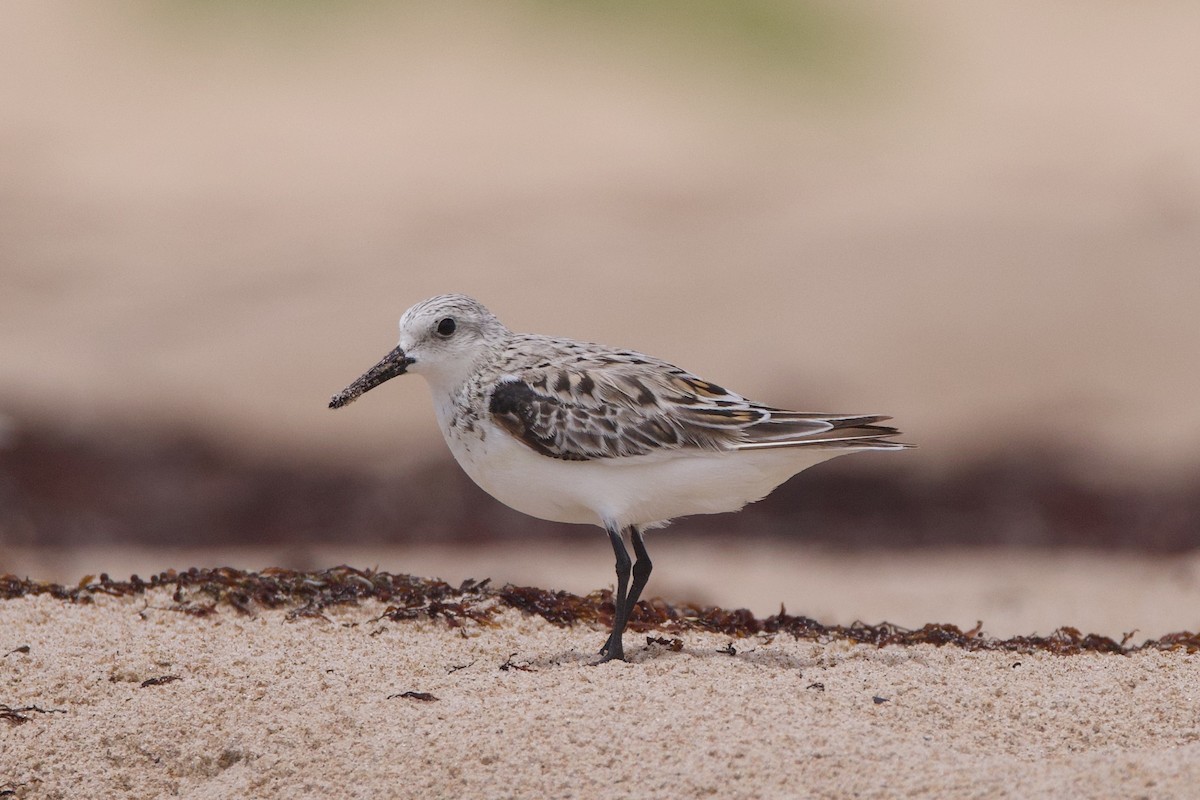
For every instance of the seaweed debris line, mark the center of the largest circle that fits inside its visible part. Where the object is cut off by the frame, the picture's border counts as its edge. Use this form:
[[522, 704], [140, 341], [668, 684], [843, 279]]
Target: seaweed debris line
[[199, 592]]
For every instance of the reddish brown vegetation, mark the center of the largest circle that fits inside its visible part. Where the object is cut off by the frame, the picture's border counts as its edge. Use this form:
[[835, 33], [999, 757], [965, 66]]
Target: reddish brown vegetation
[[199, 591]]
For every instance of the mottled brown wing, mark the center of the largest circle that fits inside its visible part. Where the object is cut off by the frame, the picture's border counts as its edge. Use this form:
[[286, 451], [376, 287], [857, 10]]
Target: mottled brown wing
[[583, 412]]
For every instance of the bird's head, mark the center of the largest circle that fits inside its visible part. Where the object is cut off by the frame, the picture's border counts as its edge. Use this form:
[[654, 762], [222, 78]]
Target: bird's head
[[441, 338]]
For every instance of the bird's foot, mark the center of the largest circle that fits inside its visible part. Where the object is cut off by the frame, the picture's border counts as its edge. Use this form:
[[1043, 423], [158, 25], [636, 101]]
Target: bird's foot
[[612, 651], [611, 655]]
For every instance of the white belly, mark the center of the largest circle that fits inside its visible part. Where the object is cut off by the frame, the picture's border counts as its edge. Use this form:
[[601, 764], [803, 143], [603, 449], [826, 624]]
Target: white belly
[[638, 490]]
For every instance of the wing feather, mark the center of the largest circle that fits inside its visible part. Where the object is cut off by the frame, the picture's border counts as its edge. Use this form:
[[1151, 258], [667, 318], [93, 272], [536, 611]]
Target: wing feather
[[619, 404]]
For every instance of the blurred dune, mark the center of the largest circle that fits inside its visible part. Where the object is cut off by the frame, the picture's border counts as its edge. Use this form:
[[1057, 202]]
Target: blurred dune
[[983, 220]]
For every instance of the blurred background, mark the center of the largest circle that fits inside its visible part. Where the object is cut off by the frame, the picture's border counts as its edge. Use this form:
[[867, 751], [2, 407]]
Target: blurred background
[[983, 220]]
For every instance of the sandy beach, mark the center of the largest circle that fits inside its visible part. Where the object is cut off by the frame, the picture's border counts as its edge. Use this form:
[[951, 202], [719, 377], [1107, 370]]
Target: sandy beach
[[198, 693]]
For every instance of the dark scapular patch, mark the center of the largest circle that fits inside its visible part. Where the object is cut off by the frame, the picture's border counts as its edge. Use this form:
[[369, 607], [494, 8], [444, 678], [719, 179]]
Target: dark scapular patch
[[530, 417]]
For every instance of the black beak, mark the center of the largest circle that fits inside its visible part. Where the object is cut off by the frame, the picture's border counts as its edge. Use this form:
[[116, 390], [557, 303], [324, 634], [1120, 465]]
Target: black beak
[[393, 364]]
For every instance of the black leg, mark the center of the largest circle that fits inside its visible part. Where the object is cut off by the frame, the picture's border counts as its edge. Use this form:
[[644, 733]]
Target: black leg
[[613, 649], [641, 572]]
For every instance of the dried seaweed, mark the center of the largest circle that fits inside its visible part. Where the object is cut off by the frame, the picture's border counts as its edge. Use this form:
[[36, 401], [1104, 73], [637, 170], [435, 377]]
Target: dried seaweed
[[198, 592], [424, 697], [509, 664], [159, 681], [20, 714], [674, 645]]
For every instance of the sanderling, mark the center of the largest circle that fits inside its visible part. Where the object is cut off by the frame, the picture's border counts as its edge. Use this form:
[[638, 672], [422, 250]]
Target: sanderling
[[575, 432]]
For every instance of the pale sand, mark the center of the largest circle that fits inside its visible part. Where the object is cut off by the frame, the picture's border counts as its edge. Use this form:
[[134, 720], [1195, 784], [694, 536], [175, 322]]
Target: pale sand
[[268, 708]]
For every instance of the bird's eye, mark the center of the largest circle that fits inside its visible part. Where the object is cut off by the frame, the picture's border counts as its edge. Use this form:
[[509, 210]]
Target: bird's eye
[[446, 327]]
